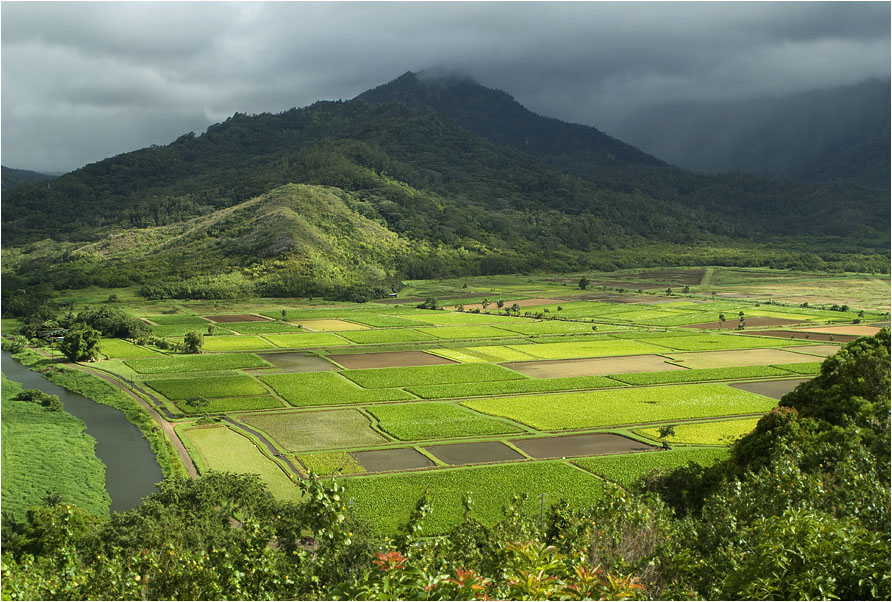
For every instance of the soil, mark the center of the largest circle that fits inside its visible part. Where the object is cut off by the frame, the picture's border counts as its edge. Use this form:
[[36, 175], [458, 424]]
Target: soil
[[772, 388], [569, 446], [383, 460], [392, 359], [471, 453], [821, 350], [600, 366], [324, 325], [732, 322], [739, 357], [237, 318], [298, 362], [854, 330], [811, 336]]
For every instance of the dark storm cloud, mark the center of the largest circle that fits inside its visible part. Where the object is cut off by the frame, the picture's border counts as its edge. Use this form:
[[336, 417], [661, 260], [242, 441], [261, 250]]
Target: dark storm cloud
[[82, 81]]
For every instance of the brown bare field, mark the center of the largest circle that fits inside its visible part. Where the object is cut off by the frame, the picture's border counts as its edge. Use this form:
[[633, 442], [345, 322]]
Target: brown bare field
[[568, 446], [298, 362], [731, 324], [393, 359], [772, 388], [325, 324], [739, 357], [383, 460], [853, 329], [237, 318], [600, 366], [821, 350], [790, 334], [470, 453], [520, 303]]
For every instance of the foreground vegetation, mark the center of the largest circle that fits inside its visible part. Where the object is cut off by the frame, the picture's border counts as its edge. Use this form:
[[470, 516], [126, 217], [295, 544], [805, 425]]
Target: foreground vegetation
[[798, 510]]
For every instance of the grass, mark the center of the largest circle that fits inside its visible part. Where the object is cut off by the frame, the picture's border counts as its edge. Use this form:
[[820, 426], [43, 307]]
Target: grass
[[222, 449], [327, 388], [231, 343], [178, 330], [723, 341], [500, 353], [117, 348], [213, 386], [172, 319], [306, 340], [627, 469], [807, 368], [529, 385], [231, 404], [699, 375], [623, 406], [261, 327], [548, 327], [301, 431], [385, 501], [450, 318], [376, 378], [328, 463], [723, 432], [467, 332], [599, 348], [394, 335], [420, 421], [379, 321], [47, 451], [197, 363]]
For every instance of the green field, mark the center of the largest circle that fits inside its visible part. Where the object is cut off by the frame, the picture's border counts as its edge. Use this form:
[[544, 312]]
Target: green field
[[528, 385], [197, 363], [300, 431], [261, 327], [699, 375], [376, 378], [386, 501], [117, 348], [623, 406], [306, 340], [724, 341], [467, 332], [580, 349], [549, 327], [233, 343], [222, 449], [172, 319], [722, 432], [393, 335], [231, 404], [210, 386], [47, 451], [327, 388], [451, 318], [627, 469], [327, 463], [420, 421], [178, 330]]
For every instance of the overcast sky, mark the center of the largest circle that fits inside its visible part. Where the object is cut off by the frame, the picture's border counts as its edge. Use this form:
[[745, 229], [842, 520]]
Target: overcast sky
[[84, 81]]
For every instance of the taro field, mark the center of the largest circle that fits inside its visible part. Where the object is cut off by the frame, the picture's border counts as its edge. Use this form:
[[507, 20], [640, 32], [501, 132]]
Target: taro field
[[545, 392]]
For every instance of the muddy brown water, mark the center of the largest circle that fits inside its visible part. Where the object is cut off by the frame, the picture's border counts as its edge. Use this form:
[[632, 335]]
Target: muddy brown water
[[392, 359], [382, 460], [470, 453], [568, 446], [770, 388], [131, 469], [298, 362], [237, 318]]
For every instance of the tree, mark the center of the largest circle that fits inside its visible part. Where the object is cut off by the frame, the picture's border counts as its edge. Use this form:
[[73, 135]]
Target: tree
[[500, 304], [193, 342], [515, 308], [484, 304], [81, 343], [721, 317], [666, 431], [583, 283], [284, 315], [211, 329], [669, 292]]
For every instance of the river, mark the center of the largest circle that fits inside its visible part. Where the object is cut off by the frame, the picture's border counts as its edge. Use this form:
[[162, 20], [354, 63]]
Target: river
[[131, 470]]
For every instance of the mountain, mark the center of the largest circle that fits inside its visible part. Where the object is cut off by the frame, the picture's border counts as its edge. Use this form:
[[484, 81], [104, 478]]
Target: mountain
[[13, 178], [837, 133], [469, 182]]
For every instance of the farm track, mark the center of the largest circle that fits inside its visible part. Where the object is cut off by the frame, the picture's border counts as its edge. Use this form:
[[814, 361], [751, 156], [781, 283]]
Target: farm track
[[269, 446]]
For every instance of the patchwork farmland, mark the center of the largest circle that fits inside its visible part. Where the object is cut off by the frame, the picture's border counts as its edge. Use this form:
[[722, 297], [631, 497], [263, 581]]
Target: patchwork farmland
[[549, 399]]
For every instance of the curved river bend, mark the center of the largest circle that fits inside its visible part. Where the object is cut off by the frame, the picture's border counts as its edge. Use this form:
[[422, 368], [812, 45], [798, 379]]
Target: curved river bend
[[131, 469]]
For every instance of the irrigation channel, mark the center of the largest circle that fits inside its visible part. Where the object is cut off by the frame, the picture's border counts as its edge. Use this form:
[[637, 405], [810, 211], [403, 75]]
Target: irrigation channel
[[131, 469]]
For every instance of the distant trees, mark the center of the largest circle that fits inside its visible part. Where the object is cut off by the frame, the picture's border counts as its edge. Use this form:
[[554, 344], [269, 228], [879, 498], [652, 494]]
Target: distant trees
[[193, 342], [80, 343], [583, 283]]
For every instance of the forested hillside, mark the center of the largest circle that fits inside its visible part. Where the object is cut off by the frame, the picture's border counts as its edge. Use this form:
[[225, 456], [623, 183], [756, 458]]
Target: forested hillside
[[466, 178]]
